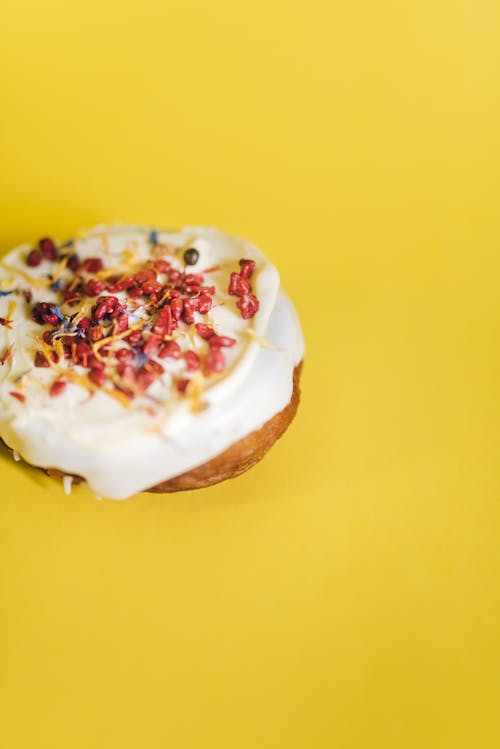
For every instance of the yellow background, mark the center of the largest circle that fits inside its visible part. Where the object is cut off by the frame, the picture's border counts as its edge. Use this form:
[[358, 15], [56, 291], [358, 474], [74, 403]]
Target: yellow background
[[344, 593]]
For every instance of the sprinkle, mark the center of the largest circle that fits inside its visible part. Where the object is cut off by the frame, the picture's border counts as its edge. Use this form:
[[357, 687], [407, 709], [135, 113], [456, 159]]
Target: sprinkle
[[212, 269], [141, 359], [34, 258], [5, 293], [153, 237], [6, 354], [57, 311], [68, 243], [18, 396], [191, 256], [16, 456], [20, 377], [57, 388], [6, 323], [48, 248], [261, 341], [33, 280]]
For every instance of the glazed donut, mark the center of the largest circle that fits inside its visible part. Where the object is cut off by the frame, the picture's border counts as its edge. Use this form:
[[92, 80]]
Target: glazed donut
[[144, 360]]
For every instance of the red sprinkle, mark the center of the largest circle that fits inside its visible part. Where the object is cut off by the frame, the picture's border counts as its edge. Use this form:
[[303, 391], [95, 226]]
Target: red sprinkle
[[94, 287], [121, 322], [166, 323], [170, 349], [238, 286], [98, 377], [204, 304], [188, 314], [122, 285], [43, 312], [162, 266], [177, 306], [204, 331], [57, 388], [144, 378], [182, 385], [95, 333], [193, 279], [74, 263], [214, 362], [107, 305], [92, 265], [41, 360], [248, 306], [34, 258], [192, 360], [124, 354], [221, 341], [152, 345], [95, 363], [148, 274], [247, 267], [134, 337], [151, 287], [48, 248]]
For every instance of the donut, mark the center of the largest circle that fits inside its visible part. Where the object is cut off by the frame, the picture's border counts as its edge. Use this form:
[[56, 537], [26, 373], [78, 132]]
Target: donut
[[138, 359]]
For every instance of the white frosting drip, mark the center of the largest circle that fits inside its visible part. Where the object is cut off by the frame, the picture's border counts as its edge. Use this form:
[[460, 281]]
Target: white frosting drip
[[123, 451]]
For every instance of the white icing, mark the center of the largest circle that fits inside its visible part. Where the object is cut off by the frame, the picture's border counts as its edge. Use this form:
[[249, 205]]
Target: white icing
[[118, 451]]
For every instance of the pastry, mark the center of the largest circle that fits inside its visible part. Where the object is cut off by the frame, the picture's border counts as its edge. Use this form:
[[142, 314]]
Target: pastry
[[145, 360]]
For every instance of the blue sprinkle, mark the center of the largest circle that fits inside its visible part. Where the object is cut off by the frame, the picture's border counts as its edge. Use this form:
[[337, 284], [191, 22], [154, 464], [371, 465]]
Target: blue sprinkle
[[153, 237], [141, 359], [5, 293], [56, 285], [68, 243], [56, 310]]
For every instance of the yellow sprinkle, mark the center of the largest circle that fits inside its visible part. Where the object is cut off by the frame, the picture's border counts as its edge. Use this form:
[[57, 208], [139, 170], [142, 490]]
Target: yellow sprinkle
[[82, 313], [59, 348], [33, 280], [10, 309], [194, 392], [260, 340], [120, 397], [129, 257], [39, 282], [47, 350], [59, 271], [109, 339]]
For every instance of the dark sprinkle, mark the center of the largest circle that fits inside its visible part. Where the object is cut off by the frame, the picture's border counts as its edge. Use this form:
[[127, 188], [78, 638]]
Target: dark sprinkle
[[56, 285], [5, 293], [68, 243], [153, 237], [191, 256]]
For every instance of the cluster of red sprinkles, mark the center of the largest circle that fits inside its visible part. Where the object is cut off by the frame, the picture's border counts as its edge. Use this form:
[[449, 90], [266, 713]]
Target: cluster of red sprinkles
[[96, 330], [240, 286]]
